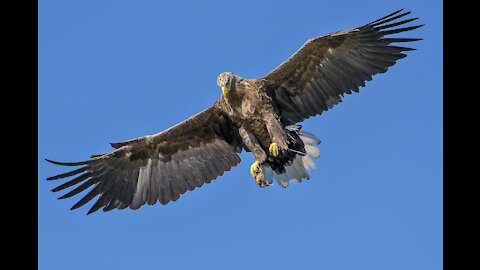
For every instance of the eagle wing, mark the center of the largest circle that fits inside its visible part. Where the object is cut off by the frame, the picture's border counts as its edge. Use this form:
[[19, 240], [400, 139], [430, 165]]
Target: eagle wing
[[157, 167], [316, 77]]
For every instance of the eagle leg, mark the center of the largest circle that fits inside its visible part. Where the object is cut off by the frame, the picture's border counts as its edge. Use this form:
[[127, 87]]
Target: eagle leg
[[252, 144], [260, 156], [257, 173], [277, 134]]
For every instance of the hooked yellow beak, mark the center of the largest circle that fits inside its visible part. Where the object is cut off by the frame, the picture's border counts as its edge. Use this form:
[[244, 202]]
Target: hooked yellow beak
[[225, 91]]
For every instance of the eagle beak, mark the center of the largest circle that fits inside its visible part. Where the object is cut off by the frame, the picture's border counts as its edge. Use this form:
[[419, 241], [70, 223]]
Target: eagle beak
[[225, 90]]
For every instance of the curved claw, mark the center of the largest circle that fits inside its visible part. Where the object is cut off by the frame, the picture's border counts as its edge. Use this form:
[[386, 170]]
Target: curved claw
[[273, 149], [264, 184]]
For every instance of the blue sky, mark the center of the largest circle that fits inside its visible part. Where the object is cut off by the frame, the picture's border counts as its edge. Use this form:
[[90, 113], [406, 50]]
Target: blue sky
[[116, 70]]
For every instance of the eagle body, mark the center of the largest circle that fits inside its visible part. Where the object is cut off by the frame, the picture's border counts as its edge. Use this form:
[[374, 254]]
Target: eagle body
[[248, 107], [260, 116], [251, 108]]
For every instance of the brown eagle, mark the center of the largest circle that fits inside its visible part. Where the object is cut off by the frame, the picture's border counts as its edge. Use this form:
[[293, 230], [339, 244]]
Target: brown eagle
[[256, 115]]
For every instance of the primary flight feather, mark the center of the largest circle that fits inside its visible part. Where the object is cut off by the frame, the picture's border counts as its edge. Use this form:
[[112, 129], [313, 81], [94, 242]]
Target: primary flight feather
[[257, 115]]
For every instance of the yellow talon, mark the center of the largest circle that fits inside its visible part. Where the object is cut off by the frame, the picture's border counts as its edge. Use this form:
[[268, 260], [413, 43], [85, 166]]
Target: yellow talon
[[273, 149], [255, 169]]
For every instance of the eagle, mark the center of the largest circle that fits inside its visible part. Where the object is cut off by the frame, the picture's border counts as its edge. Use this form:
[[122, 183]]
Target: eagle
[[260, 116]]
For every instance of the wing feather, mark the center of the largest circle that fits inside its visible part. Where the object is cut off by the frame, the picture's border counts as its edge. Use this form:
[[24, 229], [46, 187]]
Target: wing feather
[[325, 68], [156, 168]]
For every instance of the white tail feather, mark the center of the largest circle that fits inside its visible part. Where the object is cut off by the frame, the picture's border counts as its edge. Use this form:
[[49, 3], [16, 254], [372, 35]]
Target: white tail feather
[[310, 136], [312, 151], [308, 163]]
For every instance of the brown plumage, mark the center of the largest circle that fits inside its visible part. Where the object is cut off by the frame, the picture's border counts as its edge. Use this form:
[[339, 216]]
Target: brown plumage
[[256, 115]]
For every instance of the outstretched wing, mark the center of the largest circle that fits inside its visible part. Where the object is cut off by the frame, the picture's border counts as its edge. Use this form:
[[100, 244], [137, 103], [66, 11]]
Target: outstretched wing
[[316, 77], [157, 167]]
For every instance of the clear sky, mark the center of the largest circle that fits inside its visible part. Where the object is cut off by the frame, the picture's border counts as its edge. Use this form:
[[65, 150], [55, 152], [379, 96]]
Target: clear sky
[[116, 70]]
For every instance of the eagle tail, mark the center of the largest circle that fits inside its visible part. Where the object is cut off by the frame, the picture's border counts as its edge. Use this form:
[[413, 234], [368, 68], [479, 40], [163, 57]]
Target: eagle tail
[[298, 169]]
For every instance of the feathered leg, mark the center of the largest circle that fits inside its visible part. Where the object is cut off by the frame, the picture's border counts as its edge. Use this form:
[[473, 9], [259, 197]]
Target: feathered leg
[[252, 144], [277, 133]]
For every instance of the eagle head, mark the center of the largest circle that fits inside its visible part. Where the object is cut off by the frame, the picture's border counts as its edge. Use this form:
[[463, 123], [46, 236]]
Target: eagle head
[[226, 81]]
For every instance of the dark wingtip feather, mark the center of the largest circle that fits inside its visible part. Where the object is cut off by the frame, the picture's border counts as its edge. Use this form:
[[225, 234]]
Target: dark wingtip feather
[[400, 30], [63, 197], [401, 49], [68, 163], [396, 24], [77, 205], [389, 19], [58, 188], [72, 182], [78, 189], [98, 204], [393, 40], [388, 16], [67, 174], [90, 195]]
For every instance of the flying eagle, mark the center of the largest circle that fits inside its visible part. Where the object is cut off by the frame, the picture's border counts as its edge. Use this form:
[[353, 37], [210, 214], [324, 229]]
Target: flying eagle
[[260, 116]]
